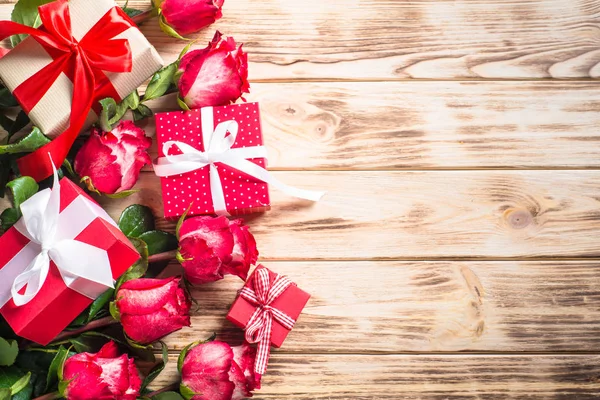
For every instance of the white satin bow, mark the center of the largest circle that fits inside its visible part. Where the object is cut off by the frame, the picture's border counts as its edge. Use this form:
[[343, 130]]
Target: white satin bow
[[83, 267], [219, 149]]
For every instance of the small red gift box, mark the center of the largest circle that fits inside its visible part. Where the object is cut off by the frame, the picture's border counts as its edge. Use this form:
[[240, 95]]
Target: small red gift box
[[243, 193], [56, 305], [291, 302]]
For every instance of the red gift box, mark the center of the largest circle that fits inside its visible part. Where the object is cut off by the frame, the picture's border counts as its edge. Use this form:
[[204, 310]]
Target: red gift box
[[243, 193], [292, 301], [55, 306]]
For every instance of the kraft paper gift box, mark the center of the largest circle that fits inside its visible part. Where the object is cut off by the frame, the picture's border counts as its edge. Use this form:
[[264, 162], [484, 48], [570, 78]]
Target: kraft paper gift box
[[292, 301], [55, 306], [51, 114], [243, 194]]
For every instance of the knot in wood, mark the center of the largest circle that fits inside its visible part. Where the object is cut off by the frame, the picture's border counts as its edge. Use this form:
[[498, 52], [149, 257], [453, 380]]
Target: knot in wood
[[518, 219]]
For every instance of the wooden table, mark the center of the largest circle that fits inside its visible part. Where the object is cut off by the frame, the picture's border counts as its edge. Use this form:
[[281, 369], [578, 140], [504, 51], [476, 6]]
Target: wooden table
[[456, 254]]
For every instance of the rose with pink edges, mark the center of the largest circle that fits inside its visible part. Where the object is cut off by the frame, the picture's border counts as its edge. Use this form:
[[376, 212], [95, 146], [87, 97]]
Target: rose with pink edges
[[211, 247]]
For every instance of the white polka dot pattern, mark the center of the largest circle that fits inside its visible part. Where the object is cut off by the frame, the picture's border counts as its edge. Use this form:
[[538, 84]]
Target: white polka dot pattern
[[243, 193]]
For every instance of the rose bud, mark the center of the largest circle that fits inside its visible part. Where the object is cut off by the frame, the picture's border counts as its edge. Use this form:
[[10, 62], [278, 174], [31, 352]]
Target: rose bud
[[217, 371], [189, 16], [150, 309], [104, 375], [110, 162], [214, 76], [210, 247]]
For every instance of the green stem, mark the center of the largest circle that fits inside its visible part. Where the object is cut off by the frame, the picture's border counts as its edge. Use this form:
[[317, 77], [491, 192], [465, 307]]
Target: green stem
[[99, 323], [145, 16], [166, 256], [49, 396], [173, 386]]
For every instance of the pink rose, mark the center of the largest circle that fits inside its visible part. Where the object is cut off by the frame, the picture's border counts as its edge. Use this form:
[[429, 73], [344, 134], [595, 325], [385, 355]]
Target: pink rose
[[189, 16], [110, 162], [101, 376], [217, 371], [210, 247], [214, 76], [152, 308]]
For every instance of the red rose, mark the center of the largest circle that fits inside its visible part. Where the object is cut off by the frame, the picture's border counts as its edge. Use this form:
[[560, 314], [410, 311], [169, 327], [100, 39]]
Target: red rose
[[189, 16], [152, 308], [210, 247], [214, 76], [101, 376], [110, 162], [217, 371]]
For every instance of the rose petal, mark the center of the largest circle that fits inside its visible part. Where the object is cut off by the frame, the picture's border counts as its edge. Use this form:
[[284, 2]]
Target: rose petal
[[143, 296], [206, 370], [189, 16], [201, 264]]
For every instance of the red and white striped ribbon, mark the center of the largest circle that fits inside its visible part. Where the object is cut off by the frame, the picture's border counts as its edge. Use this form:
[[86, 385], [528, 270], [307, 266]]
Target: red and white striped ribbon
[[258, 329]]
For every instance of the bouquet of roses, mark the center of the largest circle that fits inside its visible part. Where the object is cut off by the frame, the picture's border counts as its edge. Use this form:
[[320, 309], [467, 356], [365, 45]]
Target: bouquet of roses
[[85, 301]]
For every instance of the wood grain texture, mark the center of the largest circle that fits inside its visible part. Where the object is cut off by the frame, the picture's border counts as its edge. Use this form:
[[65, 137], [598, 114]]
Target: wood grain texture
[[392, 307], [426, 125], [391, 39], [425, 377], [433, 214]]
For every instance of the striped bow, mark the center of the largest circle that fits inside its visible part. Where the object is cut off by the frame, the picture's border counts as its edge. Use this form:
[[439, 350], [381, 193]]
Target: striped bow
[[258, 329]]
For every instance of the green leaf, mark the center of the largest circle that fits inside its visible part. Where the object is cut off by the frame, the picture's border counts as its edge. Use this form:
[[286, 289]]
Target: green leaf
[[158, 368], [114, 311], [140, 267], [99, 303], [7, 100], [26, 13], [135, 220], [142, 112], [181, 219], [132, 12], [167, 396], [121, 195], [37, 361], [9, 350], [21, 122], [20, 384], [186, 392], [29, 143], [22, 189], [8, 218], [184, 51], [132, 101], [159, 241], [55, 372], [160, 82], [108, 113], [182, 104], [5, 394], [167, 29]]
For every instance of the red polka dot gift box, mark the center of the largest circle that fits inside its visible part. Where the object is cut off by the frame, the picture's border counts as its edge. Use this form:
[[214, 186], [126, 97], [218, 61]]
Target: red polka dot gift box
[[212, 161]]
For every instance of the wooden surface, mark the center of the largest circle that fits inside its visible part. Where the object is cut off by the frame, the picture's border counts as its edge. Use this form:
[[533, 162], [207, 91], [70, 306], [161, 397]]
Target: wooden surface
[[456, 255]]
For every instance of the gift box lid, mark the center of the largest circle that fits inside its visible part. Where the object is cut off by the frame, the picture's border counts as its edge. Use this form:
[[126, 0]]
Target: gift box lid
[[292, 302], [56, 306]]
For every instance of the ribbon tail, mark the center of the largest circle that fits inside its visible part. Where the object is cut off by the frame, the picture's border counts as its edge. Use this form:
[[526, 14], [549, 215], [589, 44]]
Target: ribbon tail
[[262, 174], [39, 268], [218, 196]]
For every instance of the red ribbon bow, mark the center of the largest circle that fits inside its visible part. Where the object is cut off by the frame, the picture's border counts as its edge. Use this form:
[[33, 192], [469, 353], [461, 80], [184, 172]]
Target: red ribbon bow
[[258, 329], [84, 62]]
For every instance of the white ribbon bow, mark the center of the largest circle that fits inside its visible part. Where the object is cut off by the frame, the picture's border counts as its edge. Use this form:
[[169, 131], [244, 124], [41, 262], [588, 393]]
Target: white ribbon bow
[[218, 149], [83, 267]]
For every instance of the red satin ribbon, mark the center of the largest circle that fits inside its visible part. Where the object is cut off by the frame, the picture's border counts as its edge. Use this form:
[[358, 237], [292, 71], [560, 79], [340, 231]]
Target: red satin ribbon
[[260, 325], [84, 62]]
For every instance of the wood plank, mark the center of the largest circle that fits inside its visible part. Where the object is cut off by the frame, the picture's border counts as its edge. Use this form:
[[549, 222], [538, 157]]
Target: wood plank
[[426, 125], [391, 39], [422, 377], [420, 306], [421, 215]]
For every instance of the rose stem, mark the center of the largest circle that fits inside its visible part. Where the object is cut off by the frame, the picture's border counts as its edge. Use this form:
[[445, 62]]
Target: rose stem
[[167, 256], [145, 16], [49, 396], [99, 323], [172, 386]]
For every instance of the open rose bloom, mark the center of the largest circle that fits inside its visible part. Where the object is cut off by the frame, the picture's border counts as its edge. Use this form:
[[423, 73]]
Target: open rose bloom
[[110, 162], [214, 76], [152, 308], [217, 371], [189, 16], [210, 247], [101, 376]]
